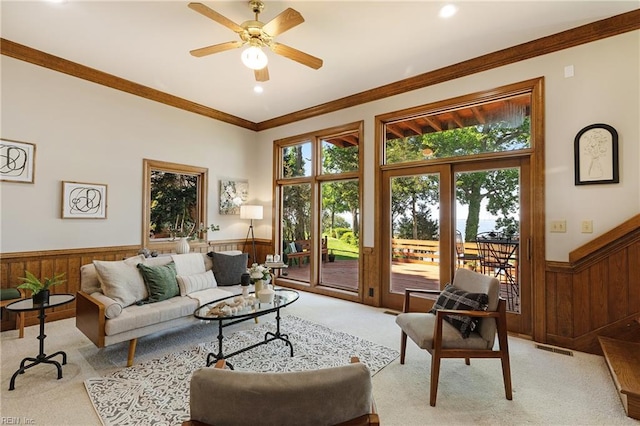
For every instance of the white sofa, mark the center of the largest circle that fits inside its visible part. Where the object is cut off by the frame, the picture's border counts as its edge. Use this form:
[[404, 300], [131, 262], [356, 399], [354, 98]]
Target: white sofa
[[106, 314]]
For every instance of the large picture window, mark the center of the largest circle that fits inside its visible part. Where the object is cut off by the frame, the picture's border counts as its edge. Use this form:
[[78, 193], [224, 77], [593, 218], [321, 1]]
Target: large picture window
[[318, 192]]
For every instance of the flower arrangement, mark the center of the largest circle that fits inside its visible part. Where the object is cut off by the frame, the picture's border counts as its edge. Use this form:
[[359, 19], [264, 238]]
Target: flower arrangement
[[259, 272]]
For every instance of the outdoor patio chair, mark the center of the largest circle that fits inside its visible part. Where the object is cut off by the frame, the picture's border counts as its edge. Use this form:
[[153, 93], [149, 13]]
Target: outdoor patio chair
[[445, 338], [329, 396]]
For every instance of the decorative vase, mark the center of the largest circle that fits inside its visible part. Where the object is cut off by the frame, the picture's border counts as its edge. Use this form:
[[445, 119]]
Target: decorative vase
[[182, 246], [266, 295], [259, 286], [41, 298]]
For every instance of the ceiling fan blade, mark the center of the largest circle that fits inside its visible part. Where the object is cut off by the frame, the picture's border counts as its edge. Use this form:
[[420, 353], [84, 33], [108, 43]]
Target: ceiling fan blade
[[296, 55], [283, 22], [209, 50], [261, 75], [212, 14]]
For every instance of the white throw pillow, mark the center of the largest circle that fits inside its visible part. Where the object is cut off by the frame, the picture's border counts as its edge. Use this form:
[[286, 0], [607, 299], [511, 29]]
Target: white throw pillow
[[191, 283], [121, 280], [189, 264], [111, 308], [292, 247]]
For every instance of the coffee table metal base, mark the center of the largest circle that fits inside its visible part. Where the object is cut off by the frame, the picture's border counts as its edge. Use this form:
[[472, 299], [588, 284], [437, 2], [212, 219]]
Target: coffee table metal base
[[212, 358]]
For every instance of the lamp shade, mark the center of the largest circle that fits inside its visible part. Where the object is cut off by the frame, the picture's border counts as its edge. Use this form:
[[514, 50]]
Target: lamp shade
[[250, 212]]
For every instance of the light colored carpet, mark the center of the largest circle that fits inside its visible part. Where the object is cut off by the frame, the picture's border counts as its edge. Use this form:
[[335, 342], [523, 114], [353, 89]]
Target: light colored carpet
[[157, 392], [549, 388]]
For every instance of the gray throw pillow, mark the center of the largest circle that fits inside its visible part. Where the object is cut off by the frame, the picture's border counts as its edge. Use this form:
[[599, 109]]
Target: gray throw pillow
[[227, 268], [456, 299]]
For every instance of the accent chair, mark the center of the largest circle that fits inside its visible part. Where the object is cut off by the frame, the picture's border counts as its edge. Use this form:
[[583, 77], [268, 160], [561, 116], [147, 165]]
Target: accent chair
[[442, 331]]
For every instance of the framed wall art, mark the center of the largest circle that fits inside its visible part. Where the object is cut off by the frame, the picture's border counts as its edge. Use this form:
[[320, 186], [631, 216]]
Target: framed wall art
[[84, 200], [233, 194], [17, 161], [596, 155]]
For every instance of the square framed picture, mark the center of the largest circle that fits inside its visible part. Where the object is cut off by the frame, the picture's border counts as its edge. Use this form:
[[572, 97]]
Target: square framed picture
[[84, 200], [233, 194], [17, 161], [596, 155]]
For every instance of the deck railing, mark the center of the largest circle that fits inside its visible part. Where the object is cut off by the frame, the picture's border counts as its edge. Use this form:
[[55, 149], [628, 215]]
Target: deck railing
[[422, 251]]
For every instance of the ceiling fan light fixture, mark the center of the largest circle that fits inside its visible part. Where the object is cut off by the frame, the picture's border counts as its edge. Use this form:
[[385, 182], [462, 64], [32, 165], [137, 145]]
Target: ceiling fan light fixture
[[253, 57]]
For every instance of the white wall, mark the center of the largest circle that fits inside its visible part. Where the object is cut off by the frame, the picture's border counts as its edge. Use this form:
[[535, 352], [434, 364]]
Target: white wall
[[605, 89], [89, 133]]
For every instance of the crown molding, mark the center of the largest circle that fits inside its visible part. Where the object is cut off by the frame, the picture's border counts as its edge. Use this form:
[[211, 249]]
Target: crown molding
[[587, 33], [55, 63]]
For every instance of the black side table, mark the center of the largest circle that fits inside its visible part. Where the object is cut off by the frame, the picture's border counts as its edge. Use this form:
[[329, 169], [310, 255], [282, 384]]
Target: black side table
[[26, 305]]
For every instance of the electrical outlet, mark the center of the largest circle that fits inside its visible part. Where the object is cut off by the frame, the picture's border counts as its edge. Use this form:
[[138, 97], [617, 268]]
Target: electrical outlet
[[586, 227], [558, 226]]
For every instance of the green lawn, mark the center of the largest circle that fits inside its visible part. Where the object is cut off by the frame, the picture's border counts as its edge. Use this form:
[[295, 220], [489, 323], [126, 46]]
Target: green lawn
[[342, 250]]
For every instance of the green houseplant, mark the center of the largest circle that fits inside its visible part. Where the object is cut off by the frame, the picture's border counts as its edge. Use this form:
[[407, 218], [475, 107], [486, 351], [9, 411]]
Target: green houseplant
[[40, 289]]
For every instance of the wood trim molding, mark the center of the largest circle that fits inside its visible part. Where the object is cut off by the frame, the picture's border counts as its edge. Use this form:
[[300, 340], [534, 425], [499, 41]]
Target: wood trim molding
[[605, 28], [37, 57], [609, 27], [620, 231]]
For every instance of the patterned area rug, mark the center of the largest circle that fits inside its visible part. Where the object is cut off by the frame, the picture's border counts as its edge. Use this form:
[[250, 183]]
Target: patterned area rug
[[157, 392]]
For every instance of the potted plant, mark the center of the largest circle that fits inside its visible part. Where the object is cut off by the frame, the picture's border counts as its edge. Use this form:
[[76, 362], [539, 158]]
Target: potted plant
[[40, 289]]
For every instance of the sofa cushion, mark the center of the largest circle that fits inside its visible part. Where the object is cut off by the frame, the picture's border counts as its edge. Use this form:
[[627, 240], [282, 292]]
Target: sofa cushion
[[228, 269], [160, 281], [139, 316], [89, 281], [121, 280], [453, 298], [151, 314], [196, 282], [189, 263]]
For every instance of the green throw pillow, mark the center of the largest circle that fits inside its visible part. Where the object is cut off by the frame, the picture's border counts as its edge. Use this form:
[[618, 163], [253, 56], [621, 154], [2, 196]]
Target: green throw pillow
[[160, 280]]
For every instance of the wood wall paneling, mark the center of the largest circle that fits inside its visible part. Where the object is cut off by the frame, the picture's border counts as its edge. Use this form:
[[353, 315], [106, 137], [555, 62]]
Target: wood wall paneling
[[47, 263], [597, 293]]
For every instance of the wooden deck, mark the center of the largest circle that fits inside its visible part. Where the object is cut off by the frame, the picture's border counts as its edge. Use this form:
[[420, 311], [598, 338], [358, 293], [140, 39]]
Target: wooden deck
[[343, 274]]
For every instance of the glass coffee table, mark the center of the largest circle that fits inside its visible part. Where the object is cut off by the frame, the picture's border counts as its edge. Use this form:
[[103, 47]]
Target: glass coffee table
[[235, 309]]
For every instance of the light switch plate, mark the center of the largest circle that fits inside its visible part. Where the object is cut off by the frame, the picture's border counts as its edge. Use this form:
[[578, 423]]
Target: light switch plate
[[558, 226], [586, 227]]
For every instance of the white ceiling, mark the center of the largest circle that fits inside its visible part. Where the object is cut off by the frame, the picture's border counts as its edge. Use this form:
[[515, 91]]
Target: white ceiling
[[364, 44]]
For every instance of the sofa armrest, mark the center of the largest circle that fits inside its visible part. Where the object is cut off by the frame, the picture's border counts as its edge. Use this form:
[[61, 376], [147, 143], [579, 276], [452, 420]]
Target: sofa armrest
[[90, 318]]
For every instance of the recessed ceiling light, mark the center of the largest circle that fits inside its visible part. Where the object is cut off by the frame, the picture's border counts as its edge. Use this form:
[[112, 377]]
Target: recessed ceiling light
[[447, 11], [258, 89]]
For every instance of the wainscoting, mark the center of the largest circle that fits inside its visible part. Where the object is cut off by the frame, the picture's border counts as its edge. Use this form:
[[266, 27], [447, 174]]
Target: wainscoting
[[47, 263], [596, 293]]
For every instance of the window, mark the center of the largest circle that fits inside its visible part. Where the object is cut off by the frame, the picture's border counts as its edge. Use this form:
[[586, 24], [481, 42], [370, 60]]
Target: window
[[318, 190], [498, 125], [174, 200]]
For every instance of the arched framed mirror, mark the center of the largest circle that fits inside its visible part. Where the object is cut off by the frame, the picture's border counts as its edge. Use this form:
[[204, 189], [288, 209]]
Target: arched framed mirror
[[175, 201]]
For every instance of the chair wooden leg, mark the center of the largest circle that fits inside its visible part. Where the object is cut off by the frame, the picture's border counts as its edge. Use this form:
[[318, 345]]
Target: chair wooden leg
[[435, 373], [20, 324], [403, 346], [132, 351], [506, 376], [467, 361]]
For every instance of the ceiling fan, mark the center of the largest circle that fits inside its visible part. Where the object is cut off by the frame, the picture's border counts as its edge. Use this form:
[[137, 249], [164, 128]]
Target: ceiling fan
[[257, 35]]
